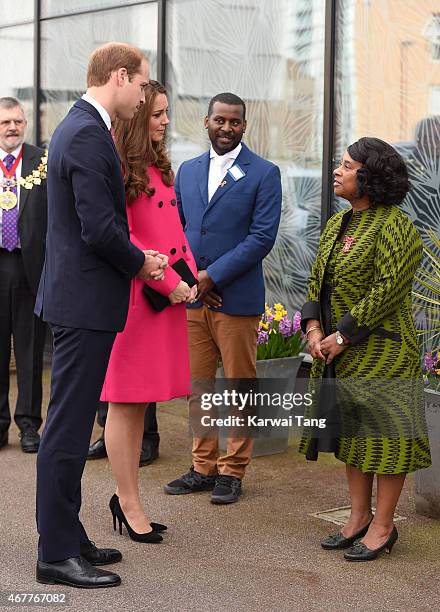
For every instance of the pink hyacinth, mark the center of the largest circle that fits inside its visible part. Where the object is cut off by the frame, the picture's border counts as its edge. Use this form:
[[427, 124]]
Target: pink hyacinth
[[296, 321], [263, 337], [285, 327]]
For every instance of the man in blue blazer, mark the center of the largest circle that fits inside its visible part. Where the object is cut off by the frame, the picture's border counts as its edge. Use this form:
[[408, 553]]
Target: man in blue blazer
[[230, 203], [84, 295]]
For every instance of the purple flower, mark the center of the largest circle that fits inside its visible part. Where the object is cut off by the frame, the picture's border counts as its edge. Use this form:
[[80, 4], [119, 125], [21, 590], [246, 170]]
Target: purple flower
[[263, 337], [285, 327], [296, 321], [429, 363]]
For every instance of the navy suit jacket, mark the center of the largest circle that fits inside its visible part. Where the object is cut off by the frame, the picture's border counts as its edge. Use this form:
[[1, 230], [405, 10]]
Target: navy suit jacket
[[89, 259], [231, 235]]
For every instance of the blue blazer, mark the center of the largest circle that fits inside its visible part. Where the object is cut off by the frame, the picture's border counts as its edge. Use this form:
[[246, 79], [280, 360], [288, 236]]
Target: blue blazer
[[231, 235], [89, 258]]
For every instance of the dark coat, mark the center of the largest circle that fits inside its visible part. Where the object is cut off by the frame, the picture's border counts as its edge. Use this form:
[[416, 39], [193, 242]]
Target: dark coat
[[89, 257]]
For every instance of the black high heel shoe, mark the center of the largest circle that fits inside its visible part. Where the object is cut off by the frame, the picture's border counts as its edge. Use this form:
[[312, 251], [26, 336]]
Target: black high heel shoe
[[156, 527], [151, 537], [338, 541], [359, 552]]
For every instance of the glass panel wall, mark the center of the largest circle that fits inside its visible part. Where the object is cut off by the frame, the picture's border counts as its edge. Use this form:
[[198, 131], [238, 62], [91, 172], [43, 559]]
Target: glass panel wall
[[66, 44], [387, 85], [16, 12], [17, 45], [55, 8], [270, 53]]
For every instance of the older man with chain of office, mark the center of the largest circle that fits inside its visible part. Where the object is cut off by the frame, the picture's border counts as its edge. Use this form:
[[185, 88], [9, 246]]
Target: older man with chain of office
[[23, 222]]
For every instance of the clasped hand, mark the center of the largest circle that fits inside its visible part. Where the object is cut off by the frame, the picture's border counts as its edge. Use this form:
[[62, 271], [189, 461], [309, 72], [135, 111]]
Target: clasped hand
[[183, 293], [154, 266], [324, 348]]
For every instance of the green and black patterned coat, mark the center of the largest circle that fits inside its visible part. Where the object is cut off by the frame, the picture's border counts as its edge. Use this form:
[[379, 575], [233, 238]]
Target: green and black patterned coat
[[371, 271]]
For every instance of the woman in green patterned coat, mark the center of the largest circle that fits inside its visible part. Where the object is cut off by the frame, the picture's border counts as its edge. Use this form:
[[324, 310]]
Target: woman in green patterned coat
[[360, 331]]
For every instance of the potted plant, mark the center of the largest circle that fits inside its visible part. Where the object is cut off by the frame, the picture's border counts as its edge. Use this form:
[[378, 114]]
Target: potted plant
[[428, 481]]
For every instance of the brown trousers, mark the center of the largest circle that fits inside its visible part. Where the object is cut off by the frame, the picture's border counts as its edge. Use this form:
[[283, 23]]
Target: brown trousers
[[213, 335]]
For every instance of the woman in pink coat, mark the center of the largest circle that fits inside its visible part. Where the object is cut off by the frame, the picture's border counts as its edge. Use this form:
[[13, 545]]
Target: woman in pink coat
[[149, 360]]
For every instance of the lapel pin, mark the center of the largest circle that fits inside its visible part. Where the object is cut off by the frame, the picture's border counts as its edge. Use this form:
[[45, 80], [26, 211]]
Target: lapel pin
[[223, 183]]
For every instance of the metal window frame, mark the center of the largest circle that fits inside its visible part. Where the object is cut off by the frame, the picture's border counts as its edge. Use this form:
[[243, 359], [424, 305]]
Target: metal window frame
[[329, 111], [37, 73]]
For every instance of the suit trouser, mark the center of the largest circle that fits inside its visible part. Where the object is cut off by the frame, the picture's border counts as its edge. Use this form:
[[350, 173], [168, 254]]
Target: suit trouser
[[79, 364], [213, 335], [151, 433], [17, 319]]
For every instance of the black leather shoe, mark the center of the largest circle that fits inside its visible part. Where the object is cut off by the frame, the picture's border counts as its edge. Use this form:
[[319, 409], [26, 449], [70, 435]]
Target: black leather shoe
[[76, 572], [359, 552], [191, 482], [149, 453], [4, 438], [30, 440], [99, 556], [97, 450], [227, 490], [338, 541]]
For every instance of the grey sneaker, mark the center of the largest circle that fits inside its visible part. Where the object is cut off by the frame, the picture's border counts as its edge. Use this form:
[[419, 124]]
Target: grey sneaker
[[227, 490], [191, 482]]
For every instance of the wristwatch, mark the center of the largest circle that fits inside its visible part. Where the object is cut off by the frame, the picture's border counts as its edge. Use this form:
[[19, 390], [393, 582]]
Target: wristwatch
[[339, 338]]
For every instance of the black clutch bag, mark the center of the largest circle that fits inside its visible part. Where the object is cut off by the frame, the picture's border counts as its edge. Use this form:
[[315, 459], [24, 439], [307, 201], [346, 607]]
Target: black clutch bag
[[159, 301]]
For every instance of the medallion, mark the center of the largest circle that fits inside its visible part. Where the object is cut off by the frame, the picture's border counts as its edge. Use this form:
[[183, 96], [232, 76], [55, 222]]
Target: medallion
[[8, 200]]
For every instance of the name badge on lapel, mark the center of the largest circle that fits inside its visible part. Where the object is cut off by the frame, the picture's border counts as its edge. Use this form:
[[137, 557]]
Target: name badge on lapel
[[236, 172]]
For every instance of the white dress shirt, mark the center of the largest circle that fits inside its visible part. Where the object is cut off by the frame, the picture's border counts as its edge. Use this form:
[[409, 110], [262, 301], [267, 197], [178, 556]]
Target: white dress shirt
[[3, 154], [101, 110], [218, 167]]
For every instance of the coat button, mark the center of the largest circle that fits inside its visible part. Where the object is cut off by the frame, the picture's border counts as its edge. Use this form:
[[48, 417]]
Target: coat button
[[203, 232], [173, 251], [202, 258], [160, 204], [173, 202], [184, 248]]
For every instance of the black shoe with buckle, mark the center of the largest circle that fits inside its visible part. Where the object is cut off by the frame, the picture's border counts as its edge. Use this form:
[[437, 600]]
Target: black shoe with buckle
[[191, 482], [76, 572], [149, 453], [99, 556], [339, 541], [97, 450], [4, 438], [227, 490], [30, 440]]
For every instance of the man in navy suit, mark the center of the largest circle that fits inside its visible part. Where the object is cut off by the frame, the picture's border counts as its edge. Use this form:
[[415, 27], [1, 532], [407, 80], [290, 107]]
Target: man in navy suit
[[230, 203], [84, 295]]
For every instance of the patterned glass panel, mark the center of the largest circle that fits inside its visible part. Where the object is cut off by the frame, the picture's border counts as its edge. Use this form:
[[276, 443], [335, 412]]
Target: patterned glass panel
[[387, 84], [18, 11], [271, 53], [66, 44], [53, 8], [18, 42]]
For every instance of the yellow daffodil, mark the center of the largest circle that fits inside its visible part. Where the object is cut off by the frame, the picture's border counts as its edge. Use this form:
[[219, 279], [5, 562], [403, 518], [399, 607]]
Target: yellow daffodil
[[264, 325], [278, 307]]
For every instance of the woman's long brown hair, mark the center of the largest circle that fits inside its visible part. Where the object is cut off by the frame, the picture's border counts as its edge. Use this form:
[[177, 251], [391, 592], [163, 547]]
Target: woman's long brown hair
[[137, 151]]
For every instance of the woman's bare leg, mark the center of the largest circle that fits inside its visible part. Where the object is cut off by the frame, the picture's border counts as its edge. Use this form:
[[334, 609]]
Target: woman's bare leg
[[360, 486], [123, 437], [389, 488]]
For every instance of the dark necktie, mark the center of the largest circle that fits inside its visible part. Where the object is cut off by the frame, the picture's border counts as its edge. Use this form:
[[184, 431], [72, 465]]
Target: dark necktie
[[10, 217]]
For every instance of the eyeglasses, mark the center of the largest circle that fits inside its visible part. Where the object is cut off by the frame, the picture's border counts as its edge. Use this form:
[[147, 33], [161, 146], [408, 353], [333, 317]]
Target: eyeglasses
[[17, 122]]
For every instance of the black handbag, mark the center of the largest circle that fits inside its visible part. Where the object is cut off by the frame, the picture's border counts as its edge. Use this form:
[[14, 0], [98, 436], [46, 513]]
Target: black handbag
[[159, 301]]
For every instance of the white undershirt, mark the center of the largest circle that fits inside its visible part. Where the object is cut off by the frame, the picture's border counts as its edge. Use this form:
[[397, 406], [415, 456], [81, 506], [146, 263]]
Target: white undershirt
[[218, 166], [101, 110]]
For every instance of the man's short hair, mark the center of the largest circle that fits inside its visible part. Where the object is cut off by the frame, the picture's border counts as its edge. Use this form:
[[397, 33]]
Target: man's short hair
[[110, 57], [9, 102], [227, 98]]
